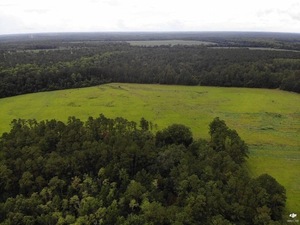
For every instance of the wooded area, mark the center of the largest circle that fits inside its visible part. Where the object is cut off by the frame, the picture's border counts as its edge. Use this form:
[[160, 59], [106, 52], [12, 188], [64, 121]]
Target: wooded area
[[113, 171], [43, 65]]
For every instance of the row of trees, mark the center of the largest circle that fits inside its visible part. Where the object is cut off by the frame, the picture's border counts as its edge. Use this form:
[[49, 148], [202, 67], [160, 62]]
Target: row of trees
[[80, 66], [231, 39], [112, 171]]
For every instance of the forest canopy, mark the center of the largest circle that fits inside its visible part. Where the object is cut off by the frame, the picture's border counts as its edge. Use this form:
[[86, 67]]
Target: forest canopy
[[114, 171], [35, 65]]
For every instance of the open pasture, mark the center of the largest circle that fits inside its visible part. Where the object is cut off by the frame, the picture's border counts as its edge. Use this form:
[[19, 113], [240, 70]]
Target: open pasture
[[152, 43], [268, 120]]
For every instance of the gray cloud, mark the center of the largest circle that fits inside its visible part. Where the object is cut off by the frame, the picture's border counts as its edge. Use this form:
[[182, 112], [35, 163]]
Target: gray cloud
[[38, 11], [265, 12], [107, 2], [293, 12], [6, 5], [16, 16], [295, 17]]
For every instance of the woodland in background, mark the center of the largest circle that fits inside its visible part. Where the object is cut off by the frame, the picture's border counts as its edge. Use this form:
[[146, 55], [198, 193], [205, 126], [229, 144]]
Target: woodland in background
[[41, 64], [113, 171]]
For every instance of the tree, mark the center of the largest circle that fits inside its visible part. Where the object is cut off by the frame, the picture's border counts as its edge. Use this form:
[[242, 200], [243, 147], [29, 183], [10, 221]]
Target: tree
[[5, 179], [174, 134], [276, 195], [225, 139], [263, 216], [154, 212], [144, 124], [134, 195], [26, 183]]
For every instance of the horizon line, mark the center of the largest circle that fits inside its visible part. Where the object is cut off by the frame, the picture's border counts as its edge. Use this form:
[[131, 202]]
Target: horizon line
[[172, 31]]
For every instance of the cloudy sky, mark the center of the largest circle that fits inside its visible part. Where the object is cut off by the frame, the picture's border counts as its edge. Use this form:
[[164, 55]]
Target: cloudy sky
[[31, 16]]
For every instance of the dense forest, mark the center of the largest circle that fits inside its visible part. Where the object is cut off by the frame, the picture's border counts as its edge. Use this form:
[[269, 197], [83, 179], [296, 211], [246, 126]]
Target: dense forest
[[31, 64], [113, 171]]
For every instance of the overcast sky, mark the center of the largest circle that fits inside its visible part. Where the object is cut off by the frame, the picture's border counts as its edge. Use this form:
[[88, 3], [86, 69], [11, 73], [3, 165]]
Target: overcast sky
[[32, 16]]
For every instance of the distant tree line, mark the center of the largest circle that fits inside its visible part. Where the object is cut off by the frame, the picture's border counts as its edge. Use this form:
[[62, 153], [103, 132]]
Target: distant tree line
[[72, 65], [232, 39], [113, 171]]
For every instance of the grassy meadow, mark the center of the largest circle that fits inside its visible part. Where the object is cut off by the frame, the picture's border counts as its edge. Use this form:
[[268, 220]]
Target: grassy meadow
[[268, 120], [152, 43]]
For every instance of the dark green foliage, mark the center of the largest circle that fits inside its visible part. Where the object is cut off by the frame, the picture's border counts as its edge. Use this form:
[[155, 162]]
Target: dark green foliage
[[275, 195], [144, 124], [174, 134], [291, 82], [107, 171], [28, 69], [227, 140]]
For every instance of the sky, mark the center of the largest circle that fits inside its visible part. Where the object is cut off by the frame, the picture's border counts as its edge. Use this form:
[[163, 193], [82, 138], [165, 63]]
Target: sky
[[36, 16]]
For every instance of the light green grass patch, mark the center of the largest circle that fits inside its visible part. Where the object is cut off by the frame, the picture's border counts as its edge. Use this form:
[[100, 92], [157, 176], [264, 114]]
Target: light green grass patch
[[268, 120], [281, 162], [152, 43]]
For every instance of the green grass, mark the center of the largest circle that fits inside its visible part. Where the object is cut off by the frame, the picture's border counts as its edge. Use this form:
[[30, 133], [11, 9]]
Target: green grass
[[268, 120], [283, 163], [169, 42]]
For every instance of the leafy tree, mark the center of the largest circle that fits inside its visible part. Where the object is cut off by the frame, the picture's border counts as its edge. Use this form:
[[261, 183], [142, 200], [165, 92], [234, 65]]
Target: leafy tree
[[225, 139], [276, 195], [26, 182], [144, 124], [174, 134]]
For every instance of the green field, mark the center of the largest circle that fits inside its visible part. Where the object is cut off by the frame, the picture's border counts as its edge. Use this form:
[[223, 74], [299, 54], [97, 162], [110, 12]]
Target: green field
[[268, 120], [169, 42]]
